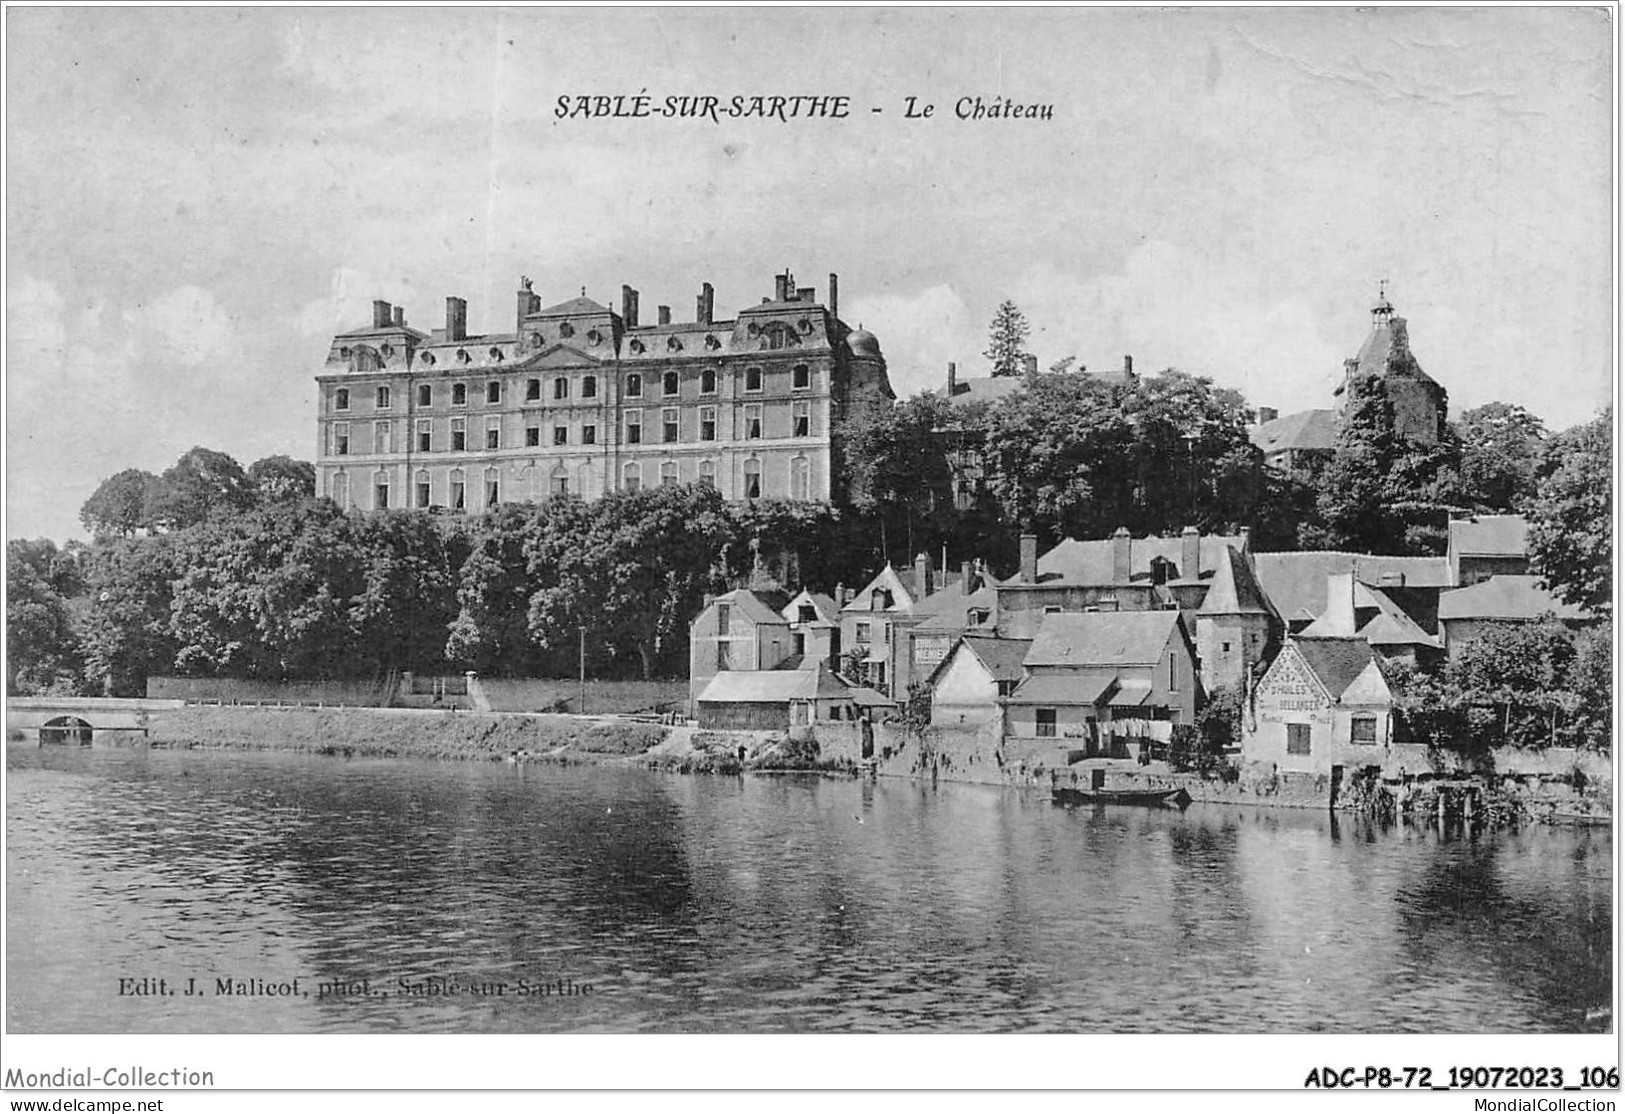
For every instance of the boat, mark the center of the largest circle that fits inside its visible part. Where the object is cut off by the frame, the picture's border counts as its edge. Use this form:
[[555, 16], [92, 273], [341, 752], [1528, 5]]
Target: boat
[[1071, 798]]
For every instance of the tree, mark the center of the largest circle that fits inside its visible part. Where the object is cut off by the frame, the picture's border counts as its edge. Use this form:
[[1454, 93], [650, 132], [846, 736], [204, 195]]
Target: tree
[[121, 505], [42, 651], [1571, 518], [282, 478], [901, 476], [1501, 447], [491, 632], [1193, 461], [408, 593], [1007, 336], [127, 633], [202, 482]]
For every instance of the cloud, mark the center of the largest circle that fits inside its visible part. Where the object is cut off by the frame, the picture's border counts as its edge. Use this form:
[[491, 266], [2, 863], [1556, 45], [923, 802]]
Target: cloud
[[191, 325]]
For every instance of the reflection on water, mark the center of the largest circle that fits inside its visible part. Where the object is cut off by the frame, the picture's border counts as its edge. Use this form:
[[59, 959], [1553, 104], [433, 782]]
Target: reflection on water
[[706, 904]]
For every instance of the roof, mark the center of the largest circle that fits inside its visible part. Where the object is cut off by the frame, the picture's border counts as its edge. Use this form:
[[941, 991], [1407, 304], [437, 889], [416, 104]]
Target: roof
[[1296, 581], [1234, 589], [1090, 562], [1390, 626], [1396, 630], [1064, 688], [751, 606], [823, 605], [1103, 638], [773, 686], [1490, 535], [1336, 661], [887, 579], [945, 611], [1505, 597], [1131, 694], [985, 389], [1307, 429], [1002, 657], [581, 305], [868, 698], [1387, 351]]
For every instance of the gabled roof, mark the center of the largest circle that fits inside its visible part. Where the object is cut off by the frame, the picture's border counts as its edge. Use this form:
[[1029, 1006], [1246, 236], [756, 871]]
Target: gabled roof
[[1297, 581], [1090, 562], [945, 611], [1064, 688], [1307, 429], [1490, 535], [751, 606], [1101, 638], [822, 605], [1336, 661], [1505, 597], [886, 579], [583, 306], [773, 686], [1234, 589], [1390, 626], [985, 389], [1001, 657]]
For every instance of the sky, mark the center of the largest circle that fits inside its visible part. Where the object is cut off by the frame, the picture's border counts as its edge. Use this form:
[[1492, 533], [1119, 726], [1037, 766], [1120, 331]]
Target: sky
[[198, 199]]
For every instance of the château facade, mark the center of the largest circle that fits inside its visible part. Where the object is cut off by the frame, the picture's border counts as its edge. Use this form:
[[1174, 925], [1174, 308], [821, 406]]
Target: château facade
[[579, 399]]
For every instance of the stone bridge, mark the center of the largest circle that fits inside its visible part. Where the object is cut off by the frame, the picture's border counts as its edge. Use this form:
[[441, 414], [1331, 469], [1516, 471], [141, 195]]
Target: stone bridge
[[76, 719]]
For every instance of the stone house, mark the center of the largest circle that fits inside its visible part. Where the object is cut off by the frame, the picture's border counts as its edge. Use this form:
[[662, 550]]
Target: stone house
[[1472, 612], [777, 699], [815, 628], [1321, 709], [969, 683], [737, 630], [1487, 545]]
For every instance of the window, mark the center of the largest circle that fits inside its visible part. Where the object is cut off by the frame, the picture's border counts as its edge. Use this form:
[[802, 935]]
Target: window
[[425, 394], [1007, 687], [1044, 723], [724, 617], [668, 383], [708, 472], [459, 394], [1224, 647], [459, 435], [341, 438], [708, 423], [533, 436], [493, 392], [341, 490], [753, 379], [634, 385], [380, 437], [753, 422], [561, 387], [708, 381], [492, 493], [668, 424], [800, 378], [493, 434], [341, 398], [1297, 738], [753, 479], [559, 483], [1173, 677], [724, 660], [1363, 730], [589, 435], [800, 478], [423, 489], [381, 398], [668, 473], [380, 492], [456, 499], [861, 633], [803, 419], [634, 427], [425, 435], [976, 616], [631, 476], [806, 613], [561, 435], [533, 390]]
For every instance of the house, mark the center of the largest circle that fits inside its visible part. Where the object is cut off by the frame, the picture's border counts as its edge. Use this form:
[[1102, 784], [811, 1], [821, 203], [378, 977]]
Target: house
[[736, 630], [1090, 673], [1471, 612], [1487, 545], [779, 699], [980, 670], [965, 604], [1359, 610], [815, 628], [1236, 630], [1295, 583], [876, 622], [1322, 709]]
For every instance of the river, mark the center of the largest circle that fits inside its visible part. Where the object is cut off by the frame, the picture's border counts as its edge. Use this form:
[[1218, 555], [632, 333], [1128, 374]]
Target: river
[[412, 896]]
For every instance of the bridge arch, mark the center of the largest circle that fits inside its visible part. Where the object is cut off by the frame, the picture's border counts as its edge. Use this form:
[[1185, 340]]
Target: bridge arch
[[66, 731]]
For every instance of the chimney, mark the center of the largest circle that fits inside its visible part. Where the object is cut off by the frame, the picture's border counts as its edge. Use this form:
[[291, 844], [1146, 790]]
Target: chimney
[[964, 577], [781, 287], [1190, 553], [1029, 558], [704, 304], [663, 314], [456, 319], [1029, 363], [380, 314], [840, 596], [953, 378], [922, 576], [1122, 552], [400, 317], [629, 306], [834, 294], [1247, 542], [1267, 414], [1128, 365], [1338, 618], [806, 294]]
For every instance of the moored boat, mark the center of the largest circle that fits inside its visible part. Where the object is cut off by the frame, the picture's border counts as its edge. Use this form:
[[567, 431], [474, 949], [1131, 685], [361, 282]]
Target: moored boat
[[1175, 797]]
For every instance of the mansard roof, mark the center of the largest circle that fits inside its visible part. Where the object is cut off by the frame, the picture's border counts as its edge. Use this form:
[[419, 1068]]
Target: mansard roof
[[1305, 430]]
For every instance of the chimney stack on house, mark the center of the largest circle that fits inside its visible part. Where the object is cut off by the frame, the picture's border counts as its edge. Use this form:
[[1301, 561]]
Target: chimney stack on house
[[806, 294], [1128, 365], [629, 306], [1338, 618], [705, 304], [663, 315], [1029, 558], [834, 294], [1029, 363], [400, 317], [782, 287], [1267, 414], [1247, 543], [1122, 550], [1190, 553], [922, 576], [456, 318], [953, 378], [526, 302], [964, 577], [380, 314]]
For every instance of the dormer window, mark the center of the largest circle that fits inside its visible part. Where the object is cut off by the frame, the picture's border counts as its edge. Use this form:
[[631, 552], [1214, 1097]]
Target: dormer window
[[880, 600], [462, 356], [566, 329], [637, 346], [386, 351], [496, 355], [1162, 570], [594, 337], [428, 359], [535, 340], [711, 342]]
